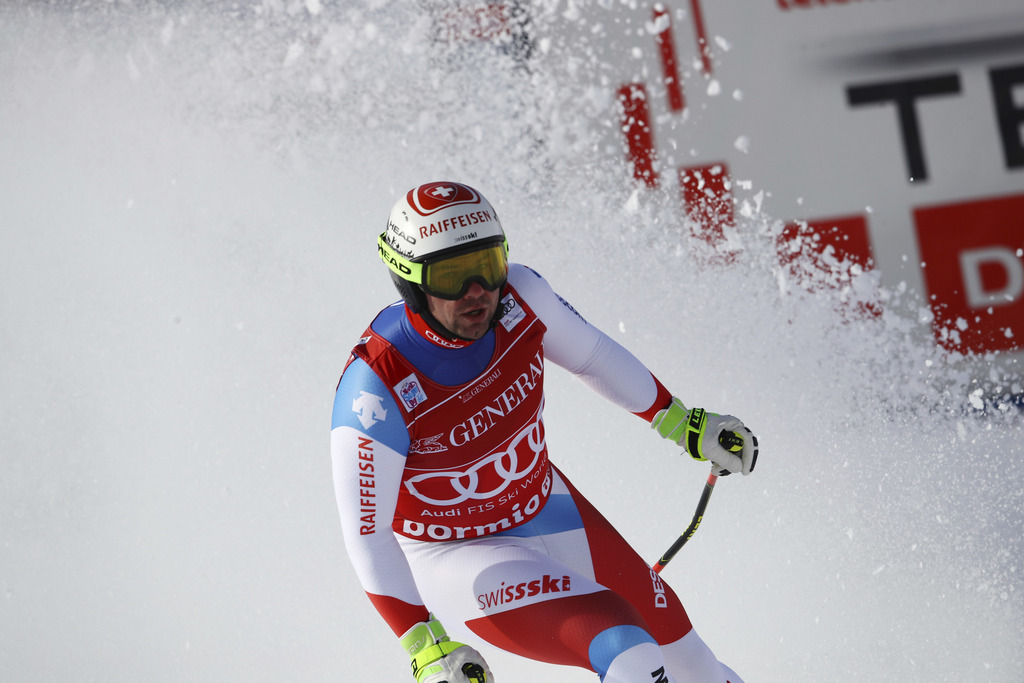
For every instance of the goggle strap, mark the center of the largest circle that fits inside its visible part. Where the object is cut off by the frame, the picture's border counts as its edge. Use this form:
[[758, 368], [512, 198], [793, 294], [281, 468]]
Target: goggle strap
[[401, 266]]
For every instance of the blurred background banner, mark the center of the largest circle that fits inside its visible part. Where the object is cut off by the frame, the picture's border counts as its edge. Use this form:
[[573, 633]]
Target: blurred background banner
[[890, 131]]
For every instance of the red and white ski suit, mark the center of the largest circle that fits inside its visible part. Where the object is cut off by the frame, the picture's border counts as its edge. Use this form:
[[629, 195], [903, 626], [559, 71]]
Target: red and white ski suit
[[448, 500]]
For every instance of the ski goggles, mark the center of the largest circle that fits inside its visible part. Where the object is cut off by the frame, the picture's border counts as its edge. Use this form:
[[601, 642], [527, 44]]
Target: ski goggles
[[450, 275]]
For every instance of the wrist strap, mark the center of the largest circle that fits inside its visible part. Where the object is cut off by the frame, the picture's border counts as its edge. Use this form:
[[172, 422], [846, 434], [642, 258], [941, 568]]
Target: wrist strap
[[694, 429]]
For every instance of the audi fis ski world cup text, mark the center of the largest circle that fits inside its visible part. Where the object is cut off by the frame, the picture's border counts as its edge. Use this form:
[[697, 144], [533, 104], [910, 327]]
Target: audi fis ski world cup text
[[441, 532]]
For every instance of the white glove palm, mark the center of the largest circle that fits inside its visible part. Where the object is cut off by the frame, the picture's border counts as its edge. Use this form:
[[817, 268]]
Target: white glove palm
[[722, 439], [438, 659]]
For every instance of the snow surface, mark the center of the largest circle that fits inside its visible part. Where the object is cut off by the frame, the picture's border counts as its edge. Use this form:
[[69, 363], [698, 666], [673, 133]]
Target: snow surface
[[189, 200]]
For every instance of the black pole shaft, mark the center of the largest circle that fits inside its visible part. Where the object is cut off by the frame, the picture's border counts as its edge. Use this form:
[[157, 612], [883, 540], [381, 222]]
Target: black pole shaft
[[698, 516]]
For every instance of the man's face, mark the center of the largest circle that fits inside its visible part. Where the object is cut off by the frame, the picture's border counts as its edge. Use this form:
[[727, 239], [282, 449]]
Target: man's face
[[470, 316]]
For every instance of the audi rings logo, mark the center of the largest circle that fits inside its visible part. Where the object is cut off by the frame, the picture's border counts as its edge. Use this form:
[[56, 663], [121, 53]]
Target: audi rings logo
[[488, 477]]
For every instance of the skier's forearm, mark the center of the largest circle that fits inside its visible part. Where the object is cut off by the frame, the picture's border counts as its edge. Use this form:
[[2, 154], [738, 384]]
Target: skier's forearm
[[367, 476]]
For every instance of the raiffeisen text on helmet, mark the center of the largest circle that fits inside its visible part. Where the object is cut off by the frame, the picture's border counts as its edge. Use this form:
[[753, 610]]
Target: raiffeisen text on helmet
[[455, 222]]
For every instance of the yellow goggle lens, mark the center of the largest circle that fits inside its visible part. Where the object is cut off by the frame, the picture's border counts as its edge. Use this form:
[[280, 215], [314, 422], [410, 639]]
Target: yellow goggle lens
[[450, 277]]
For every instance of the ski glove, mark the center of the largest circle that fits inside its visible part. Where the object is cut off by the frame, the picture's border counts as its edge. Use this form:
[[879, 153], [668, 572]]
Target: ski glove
[[438, 659], [722, 439]]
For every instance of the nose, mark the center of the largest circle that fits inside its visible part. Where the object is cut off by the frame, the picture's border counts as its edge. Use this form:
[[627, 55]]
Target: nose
[[474, 291]]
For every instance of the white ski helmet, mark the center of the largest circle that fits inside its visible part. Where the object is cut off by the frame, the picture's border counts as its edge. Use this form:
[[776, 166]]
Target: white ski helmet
[[441, 237]]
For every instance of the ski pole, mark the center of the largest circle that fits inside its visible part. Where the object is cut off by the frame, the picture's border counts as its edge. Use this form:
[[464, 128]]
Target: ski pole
[[732, 442], [698, 516]]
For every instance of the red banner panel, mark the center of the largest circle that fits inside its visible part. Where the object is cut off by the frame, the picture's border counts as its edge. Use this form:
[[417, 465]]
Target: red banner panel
[[847, 235], [973, 254], [707, 197], [636, 127], [669, 64], [828, 251]]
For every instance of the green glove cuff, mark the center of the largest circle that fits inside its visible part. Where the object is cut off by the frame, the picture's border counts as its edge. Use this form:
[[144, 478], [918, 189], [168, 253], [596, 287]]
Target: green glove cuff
[[422, 636], [685, 427], [426, 643]]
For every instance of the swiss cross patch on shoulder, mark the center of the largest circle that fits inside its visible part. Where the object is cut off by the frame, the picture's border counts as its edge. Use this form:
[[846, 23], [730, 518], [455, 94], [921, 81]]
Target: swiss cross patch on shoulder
[[410, 390]]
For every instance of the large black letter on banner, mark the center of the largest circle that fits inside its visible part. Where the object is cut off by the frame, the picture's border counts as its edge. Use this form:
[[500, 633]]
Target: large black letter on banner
[[904, 93], [1009, 114]]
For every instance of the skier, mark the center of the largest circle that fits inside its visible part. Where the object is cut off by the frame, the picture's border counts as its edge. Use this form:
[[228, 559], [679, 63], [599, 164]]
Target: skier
[[452, 513]]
